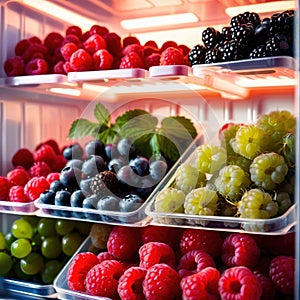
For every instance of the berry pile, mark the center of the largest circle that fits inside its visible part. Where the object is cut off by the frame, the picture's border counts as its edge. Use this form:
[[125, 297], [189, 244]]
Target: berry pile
[[249, 175], [156, 263], [103, 177], [32, 174], [96, 49], [36, 249], [246, 37]]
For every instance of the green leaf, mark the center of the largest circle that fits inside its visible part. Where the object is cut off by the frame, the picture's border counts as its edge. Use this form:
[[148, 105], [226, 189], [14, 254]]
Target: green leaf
[[107, 135], [101, 114], [82, 128], [125, 117], [154, 146], [142, 145], [168, 149]]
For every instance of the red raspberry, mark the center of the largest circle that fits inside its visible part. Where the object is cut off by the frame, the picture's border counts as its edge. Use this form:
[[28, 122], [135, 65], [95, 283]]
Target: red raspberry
[[21, 46], [131, 60], [103, 60], [51, 143], [44, 153], [161, 282], [152, 60], [67, 50], [151, 43], [280, 245], [53, 41], [67, 67], [102, 256], [202, 285], [23, 157], [155, 253], [35, 186], [59, 163], [53, 177], [40, 168], [184, 49], [72, 38], [193, 262], [35, 40], [240, 249], [113, 43], [81, 60], [148, 50], [34, 51], [268, 287], [17, 194], [239, 283], [102, 279], [4, 188], [128, 40], [14, 66], [203, 240], [101, 30], [133, 48], [76, 30], [37, 66], [18, 176], [282, 273], [94, 43], [78, 268], [124, 242], [171, 56], [168, 44], [130, 286]]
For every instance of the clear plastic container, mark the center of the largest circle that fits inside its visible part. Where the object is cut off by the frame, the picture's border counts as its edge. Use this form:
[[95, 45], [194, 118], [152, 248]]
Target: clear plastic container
[[17, 207]]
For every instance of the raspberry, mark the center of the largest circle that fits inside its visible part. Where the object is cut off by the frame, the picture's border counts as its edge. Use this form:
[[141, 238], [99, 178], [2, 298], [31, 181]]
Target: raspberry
[[169, 200], [53, 40], [39, 168], [154, 253], [51, 143], [102, 279], [59, 68], [67, 67], [81, 60], [152, 60], [4, 188], [18, 176], [34, 51], [240, 249], [202, 285], [23, 157], [168, 44], [72, 38], [67, 50], [133, 48], [161, 282], [282, 273], [239, 283], [94, 43], [102, 256], [101, 30], [193, 262], [113, 43], [53, 177], [37, 66], [59, 163], [44, 153], [21, 46], [268, 287], [184, 49], [17, 194], [35, 186], [171, 56], [151, 43], [103, 60], [148, 50], [131, 60], [129, 40], [76, 30], [203, 240], [130, 286], [14, 66], [78, 268], [124, 242], [280, 244]]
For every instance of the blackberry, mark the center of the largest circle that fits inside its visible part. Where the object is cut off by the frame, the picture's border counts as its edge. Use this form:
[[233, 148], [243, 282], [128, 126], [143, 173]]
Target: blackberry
[[282, 23], [213, 56], [262, 32], [197, 55], [210, 37], [237, 20], [278, 45], [243, 33], [251, 17], [233, 50], [226, 33], [258, 52], [104, 183]]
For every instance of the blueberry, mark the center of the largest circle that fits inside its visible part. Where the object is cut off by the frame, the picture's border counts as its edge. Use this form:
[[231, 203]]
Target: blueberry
[[95, 147], [158, 169], [47, 197], [85, 186], [91, 203], [126, 148], [116, 164], [74, 151], [111, 151], [130, 202], [77, 198], [109, 202], [62, 198], [140, 165], [93, 165], [74, 163], [70, 177], [127, 177], [56, 185], [145, 187]]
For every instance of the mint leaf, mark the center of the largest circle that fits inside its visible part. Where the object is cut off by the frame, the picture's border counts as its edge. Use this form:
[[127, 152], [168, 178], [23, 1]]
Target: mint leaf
[[101, 114], [107, 135], [125, 117], [82, 128], [154, 146], [167, 148], [142, 145]]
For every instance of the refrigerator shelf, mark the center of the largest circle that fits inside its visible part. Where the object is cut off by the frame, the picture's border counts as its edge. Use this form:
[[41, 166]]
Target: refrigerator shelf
[[17, 207]]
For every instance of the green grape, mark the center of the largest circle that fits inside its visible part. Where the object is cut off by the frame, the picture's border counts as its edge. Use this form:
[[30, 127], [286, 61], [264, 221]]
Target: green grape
[[169, 200], [20, 248], [21, 229], [46, 227], [9, 238], [71, 242], [33, 220], [6, 263], [19, 273], [50, 270], [83, 228], [32, 264], [51, 247], [63, 227], [3, 244], [37, 241]]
